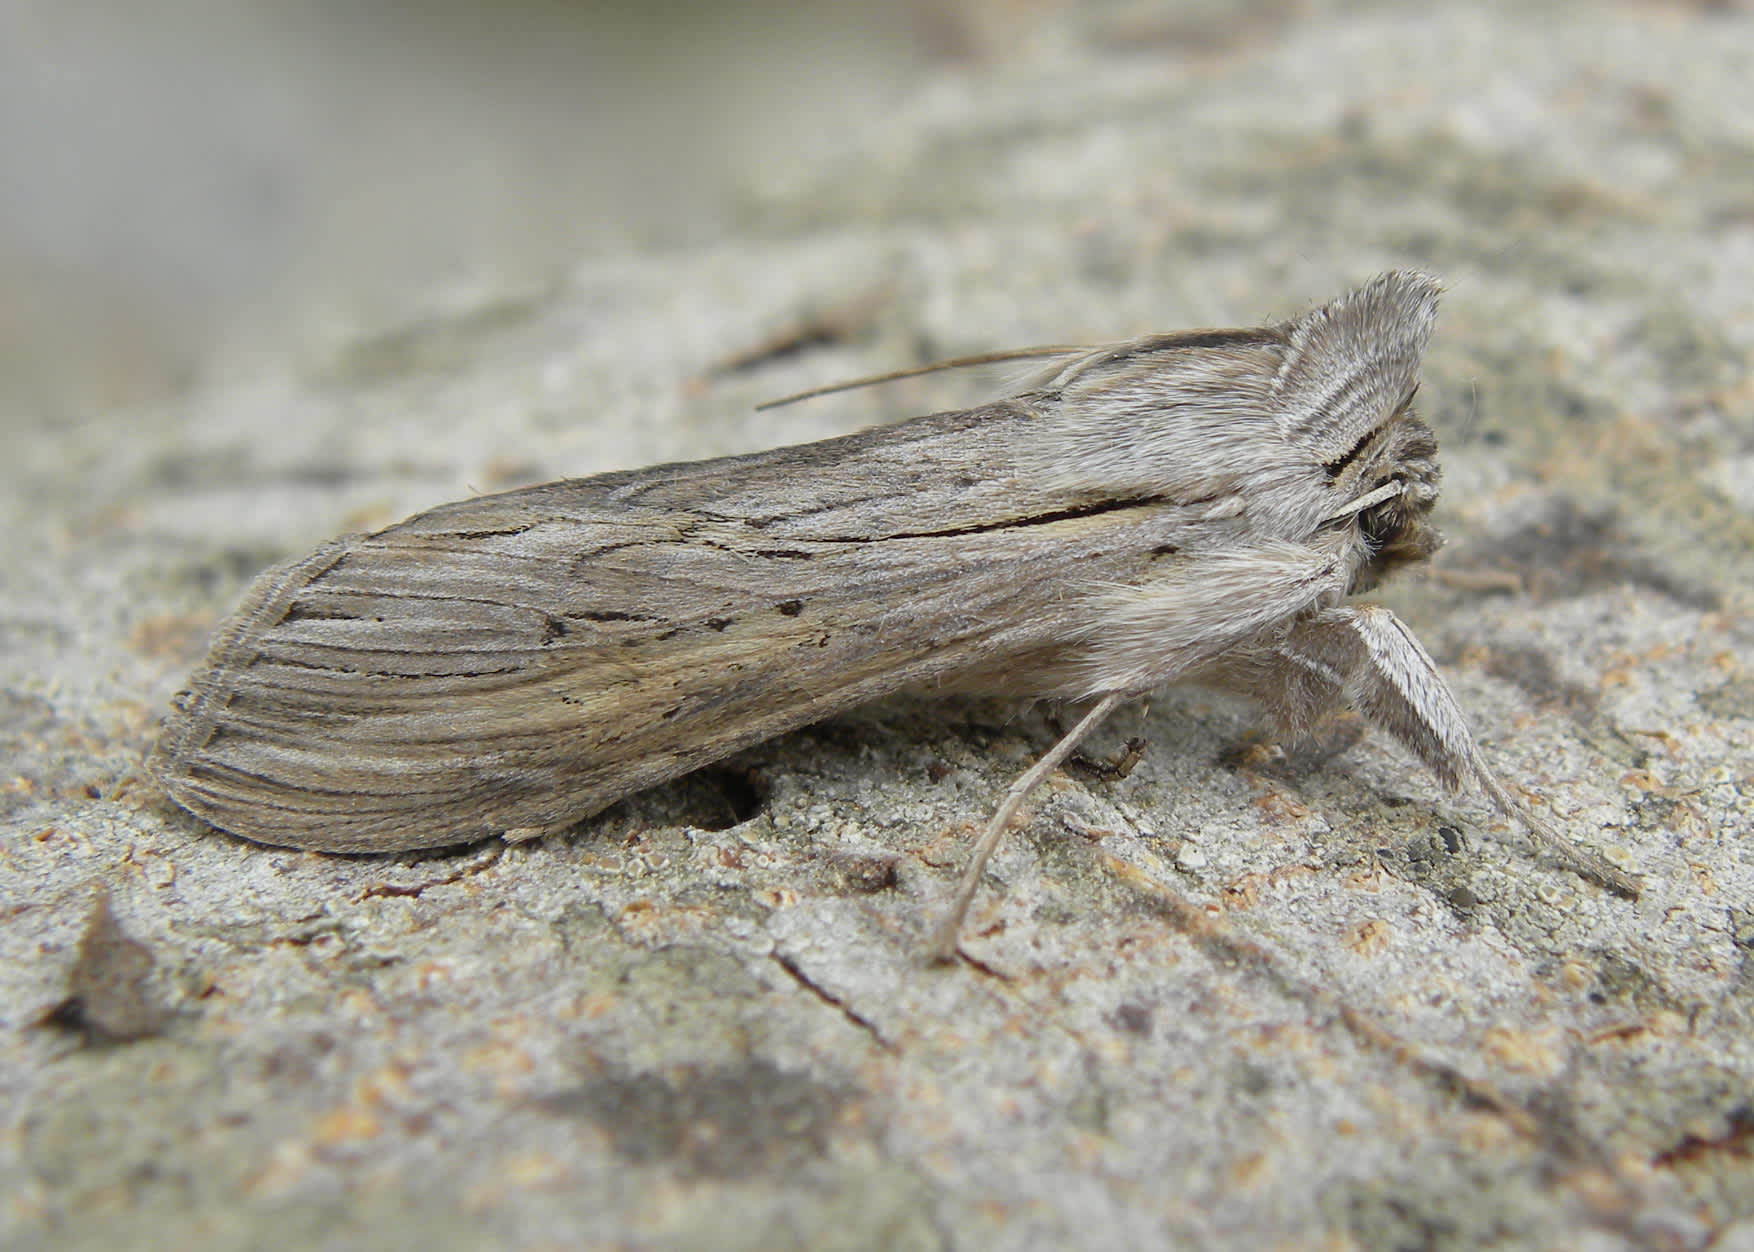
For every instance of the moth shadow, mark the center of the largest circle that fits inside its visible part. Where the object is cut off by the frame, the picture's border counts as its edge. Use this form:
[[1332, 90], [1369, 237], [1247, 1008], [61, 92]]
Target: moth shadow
[[888, 742], [1298, 758], [714, 797]]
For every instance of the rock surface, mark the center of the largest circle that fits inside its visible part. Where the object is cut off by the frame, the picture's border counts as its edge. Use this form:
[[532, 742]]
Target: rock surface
[[1241, 998]]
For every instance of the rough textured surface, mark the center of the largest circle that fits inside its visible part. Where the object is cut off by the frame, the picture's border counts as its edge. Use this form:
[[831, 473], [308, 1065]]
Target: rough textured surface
[[1241, 998]]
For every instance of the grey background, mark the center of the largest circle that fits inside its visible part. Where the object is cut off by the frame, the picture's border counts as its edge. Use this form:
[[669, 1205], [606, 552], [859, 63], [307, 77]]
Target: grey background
[[1246, 997]]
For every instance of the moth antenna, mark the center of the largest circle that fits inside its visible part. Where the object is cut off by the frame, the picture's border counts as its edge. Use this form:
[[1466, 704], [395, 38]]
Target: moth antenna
[[956, 363], [1471, 416], [943, 947]]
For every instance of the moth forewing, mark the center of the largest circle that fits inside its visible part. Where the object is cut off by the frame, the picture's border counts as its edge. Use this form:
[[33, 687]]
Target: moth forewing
[[518, 662], [1192, 505]]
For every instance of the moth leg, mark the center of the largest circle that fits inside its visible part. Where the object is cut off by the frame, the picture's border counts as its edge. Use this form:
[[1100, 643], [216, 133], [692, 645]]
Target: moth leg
[[943, 947], [1366, 655], [1114, 769]]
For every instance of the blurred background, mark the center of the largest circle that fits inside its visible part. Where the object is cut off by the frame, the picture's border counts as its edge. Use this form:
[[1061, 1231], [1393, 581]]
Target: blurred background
[[185, 179], [185, 183]]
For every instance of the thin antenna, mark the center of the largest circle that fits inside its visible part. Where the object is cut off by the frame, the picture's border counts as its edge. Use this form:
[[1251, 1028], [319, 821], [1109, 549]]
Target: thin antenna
[[985, 358]]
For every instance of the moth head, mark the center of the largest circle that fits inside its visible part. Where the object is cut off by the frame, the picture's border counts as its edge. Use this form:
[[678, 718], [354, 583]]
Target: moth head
[[1388, 483], [1345, 392]]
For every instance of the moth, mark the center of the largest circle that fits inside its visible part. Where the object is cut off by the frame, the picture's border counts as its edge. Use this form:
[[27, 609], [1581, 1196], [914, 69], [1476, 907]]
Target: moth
[[1196, 506]]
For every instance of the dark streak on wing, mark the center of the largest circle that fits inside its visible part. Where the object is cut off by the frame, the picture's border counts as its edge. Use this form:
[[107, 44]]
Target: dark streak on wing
[[1337, 466]]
